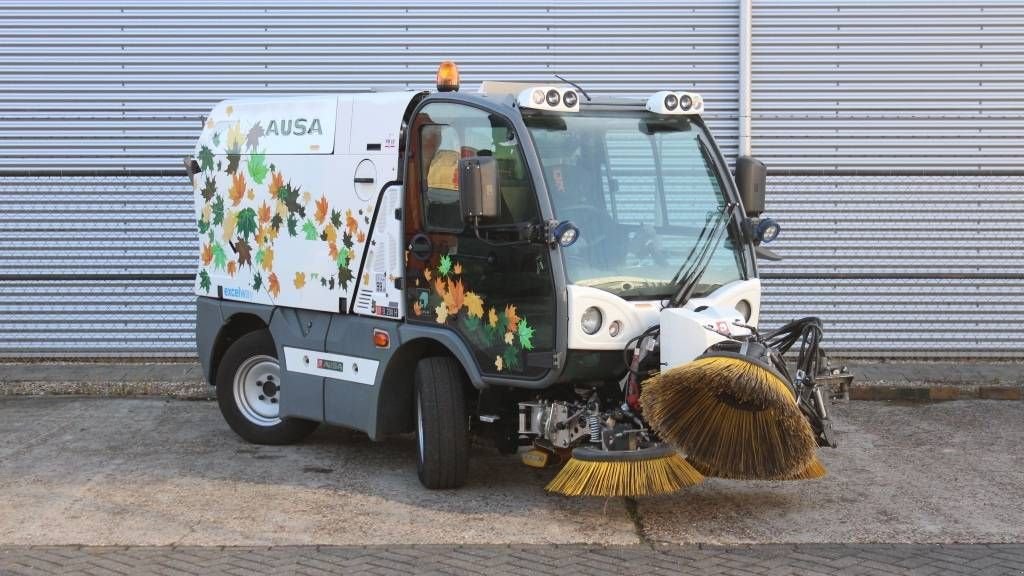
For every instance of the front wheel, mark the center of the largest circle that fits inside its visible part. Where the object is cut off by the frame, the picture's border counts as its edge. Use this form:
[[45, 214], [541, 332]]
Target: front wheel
[[442, 438], [249, 392]]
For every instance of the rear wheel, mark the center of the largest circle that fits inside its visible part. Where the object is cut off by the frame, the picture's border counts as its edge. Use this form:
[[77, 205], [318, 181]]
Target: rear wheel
[[249, 392], [442, 440]]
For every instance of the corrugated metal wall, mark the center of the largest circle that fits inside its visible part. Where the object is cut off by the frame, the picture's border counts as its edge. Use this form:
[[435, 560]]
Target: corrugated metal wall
[[122, 85], [897, 264]]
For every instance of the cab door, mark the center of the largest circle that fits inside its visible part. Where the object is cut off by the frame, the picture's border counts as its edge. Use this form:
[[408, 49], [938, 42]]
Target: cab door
[[491, 285]]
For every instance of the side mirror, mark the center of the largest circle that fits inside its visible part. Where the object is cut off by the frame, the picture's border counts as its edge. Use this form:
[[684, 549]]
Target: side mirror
[[751, 181], [478, 188]]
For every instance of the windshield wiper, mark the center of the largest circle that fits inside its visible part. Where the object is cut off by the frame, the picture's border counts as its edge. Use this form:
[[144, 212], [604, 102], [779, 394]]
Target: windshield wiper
[[699, 259]]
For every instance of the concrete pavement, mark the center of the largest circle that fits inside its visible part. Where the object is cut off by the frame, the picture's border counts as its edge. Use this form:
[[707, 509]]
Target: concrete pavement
[[160, 472]]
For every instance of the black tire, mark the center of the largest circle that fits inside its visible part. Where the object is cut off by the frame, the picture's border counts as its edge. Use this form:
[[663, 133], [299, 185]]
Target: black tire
[[254, 347], [442, 438]]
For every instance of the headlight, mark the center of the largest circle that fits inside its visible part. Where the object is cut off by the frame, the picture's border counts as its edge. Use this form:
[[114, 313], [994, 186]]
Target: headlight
[[553, 97], [671, 101], [591, 321], [569, 99], [685, 102], [538, 96]]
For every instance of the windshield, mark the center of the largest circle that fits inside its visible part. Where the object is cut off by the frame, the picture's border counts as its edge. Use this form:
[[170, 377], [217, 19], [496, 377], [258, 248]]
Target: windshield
[[641, 188]]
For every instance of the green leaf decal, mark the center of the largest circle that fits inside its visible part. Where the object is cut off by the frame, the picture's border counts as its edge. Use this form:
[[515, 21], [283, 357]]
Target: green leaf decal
[[511, 358], [276, 222], [309, 230], [205, 159], [525, 335], [343, 256], [234, 157], [257, 281], [220, 258], [204, 281], [259, 256], [293, 222], [209, 189], [290, 196], [257, 165], [445, 267], [346, 239], [216, 139], [218, 211], [247, 223], [336, 218], [203, 226], [344, 277]]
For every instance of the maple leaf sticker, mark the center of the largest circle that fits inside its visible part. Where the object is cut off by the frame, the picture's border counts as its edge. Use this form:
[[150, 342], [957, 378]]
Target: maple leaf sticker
[[207, 255], [321, 210], [235, 138], [273, 286], [203, 225], [350, 222], [499, 363], [257, 166], [267, 262], [445, 266], [300, 280], [247, 223], [264, 213], [329, 235], [237, 190], [309, 230], [244, 252], [512, 320], [336, 218], [206, 159], [233, 160], [344, 277], [252, 139], [276, 181], [209, 189], [257, 281], [492, 318], [218, 211], [228, 231], [442, 313], [232, 268], [220, 258], [474, 305], [293, 222], [525, 335], [204, 281]]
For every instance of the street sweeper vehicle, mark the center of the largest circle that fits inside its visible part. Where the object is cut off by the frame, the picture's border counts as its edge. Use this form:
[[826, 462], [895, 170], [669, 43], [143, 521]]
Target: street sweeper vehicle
[[574, 278]]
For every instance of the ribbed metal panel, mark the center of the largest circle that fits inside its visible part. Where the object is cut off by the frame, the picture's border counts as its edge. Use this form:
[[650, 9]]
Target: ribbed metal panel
[[97, 267], [911, 83], [900, 265], [118, 83]]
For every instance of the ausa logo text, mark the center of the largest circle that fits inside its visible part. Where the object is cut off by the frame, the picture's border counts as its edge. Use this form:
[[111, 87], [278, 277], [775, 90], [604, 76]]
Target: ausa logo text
[[296, 127]]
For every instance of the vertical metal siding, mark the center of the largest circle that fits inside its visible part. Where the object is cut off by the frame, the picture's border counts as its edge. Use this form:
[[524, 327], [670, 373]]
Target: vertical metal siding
[[897, 265], [87, 267]]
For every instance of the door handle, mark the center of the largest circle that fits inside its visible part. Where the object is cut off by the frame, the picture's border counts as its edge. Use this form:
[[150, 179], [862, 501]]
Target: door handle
[[421, 247], [363, 180]]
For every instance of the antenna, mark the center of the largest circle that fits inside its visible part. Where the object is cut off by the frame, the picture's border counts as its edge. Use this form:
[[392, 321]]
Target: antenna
[[575, 85]]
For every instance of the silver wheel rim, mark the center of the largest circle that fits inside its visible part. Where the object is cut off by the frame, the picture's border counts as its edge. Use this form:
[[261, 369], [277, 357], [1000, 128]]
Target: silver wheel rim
[[419, 425], [257, 389]]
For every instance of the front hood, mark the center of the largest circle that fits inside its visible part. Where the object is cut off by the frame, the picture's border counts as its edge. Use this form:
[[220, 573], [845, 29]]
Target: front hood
[[637, 316]]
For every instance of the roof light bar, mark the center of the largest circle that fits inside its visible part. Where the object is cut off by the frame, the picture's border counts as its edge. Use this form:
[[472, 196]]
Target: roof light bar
[[668, 102], [549, 98]]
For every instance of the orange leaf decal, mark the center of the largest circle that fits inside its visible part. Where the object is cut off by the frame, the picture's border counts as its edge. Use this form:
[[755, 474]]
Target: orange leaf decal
[[456, 297], [360, 237], [331, 234], [417, 309], [511, 317], [458, 268], [332, 250], [492, 318], [268, 258], [207, 254], [237, 190], [427, 274], [350, 222], [264, 213], [474, 305], [273, 286], [232, 268], [276, 181], [366, 279], [321, 210], [300, 279]]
